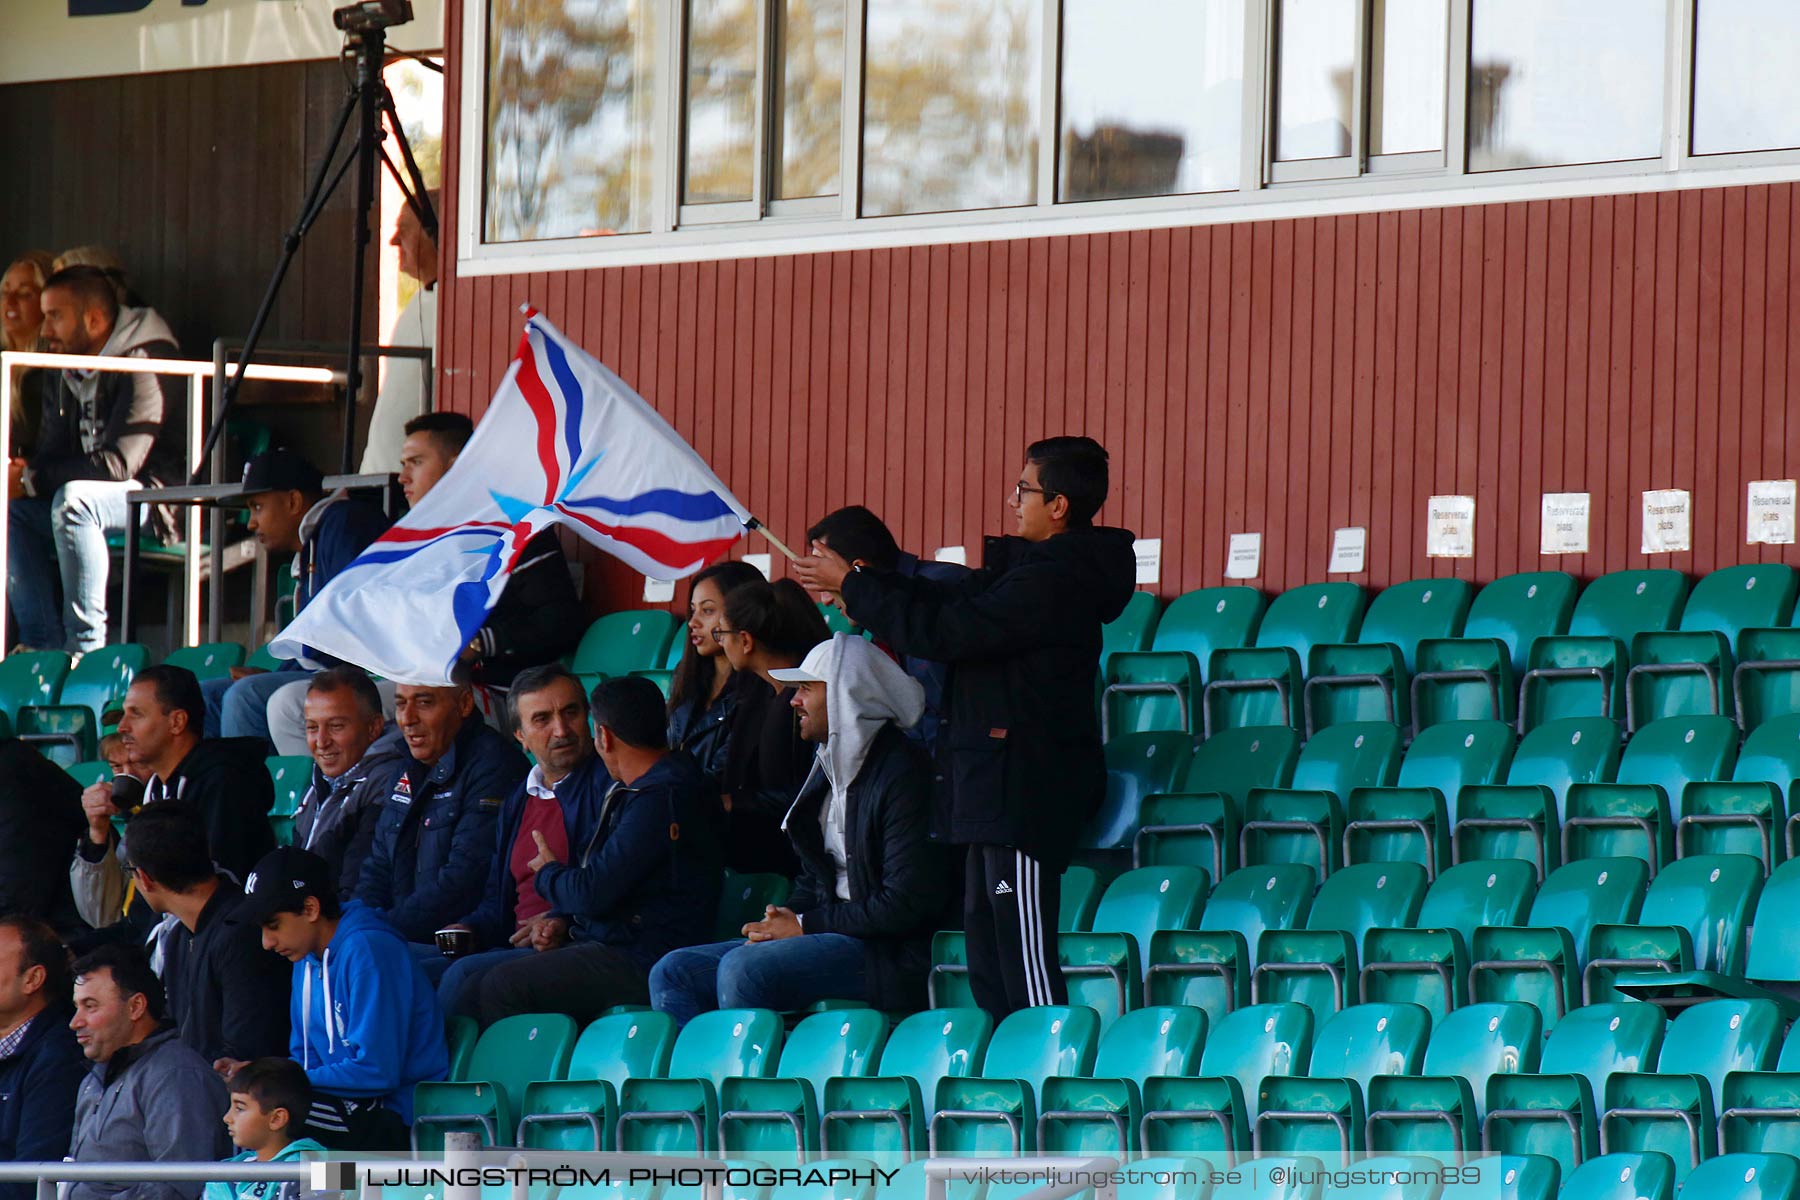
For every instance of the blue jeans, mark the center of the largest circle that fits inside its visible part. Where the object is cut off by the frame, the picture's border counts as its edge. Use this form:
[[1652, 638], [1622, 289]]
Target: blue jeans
[[63, 538], [784, 975], [241, 708]]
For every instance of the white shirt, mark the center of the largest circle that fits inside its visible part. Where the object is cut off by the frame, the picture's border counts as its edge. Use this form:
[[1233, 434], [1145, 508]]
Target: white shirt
[[403, 385], [831, 820]]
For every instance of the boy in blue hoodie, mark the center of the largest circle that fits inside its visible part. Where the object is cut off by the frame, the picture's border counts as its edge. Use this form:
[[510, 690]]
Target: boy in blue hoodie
[[269, 1102], [366, 1025]]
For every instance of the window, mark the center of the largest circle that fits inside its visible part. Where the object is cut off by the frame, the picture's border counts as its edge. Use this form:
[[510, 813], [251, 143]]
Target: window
[[571, 100], [1552, 83], [1315, 92], [1152, 97], [950, 104], [1409, 64], [724, 60], [1746, 86], [809, 69]]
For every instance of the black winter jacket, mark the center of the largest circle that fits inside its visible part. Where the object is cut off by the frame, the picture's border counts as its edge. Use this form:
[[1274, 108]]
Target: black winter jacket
[[40, 814], [1023, 765], [37, 1096], [766, 761], [901, 882], [227, 996], [337, 818]]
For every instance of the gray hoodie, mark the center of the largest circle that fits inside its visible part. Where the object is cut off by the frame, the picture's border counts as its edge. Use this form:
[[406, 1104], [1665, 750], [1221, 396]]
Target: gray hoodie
[[157, 1100]]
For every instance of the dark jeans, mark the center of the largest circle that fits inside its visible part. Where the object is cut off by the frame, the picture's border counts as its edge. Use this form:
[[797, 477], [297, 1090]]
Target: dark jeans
[[784, 975], [582, 980]]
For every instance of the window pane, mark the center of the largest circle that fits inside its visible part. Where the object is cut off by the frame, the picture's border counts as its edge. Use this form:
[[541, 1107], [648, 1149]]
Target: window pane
[[1409, 64], [1152, 97], [950, 104], [1315, 78], [1554, 82], [1746, 87], [721, 101], [569, 151], [810, 85]]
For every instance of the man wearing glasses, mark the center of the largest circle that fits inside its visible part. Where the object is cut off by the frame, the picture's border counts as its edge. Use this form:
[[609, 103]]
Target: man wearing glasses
[[1023, 768]]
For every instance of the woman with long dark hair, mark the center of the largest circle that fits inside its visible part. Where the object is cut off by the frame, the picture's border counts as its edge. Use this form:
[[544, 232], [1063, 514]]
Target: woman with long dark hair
[[703, 693]]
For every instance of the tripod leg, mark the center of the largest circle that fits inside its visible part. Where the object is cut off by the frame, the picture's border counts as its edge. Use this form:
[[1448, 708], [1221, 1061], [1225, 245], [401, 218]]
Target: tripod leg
[[414, 183], [370, 89]]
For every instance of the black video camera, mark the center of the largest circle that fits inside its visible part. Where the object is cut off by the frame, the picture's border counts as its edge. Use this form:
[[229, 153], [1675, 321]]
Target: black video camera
[[372, 14]]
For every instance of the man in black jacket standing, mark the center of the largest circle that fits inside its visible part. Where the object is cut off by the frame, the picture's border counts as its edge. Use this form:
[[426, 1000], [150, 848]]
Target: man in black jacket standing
[[41, 1065], [874, 888], [1023, 770]]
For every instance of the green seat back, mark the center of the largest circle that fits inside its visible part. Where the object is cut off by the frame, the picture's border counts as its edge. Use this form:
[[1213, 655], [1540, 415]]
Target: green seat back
[[844, 1041], [1524, 1177], [1771, 753], [1775, 948], [1253, 899], [89, 773], [1159, 1040], [1137, 765], [1647, 1176], [1314, 613], [1595, 1040], [744, 898], [1340, 758], [1366, 1040], [1147, 899], [1131, 629], [1716, 1037], [1379, 895], [1579, 895], [1570, 750], [1386, 647], [1192, 627], [612, 1049], [1623, 604], [1769, 756], [1209, 619], [1516, 610], [1733, 599], [75, 722], [929, 1045], [291, 775], [100, 679], [1337, 760], [461, 1034], [35, 677], [1454, 754], [1745, 1177], [209, 660], [1477, 1041], [1080, 896], [1611, 613], [622, 642], [621, 1046], [835, 620], [1256, 1041], [514, 1051], [1032, 1044], [1233, 761], [1718, 610], [1667, 754], [1402, 614], [727, 1042], [1711, 896], [263, 659], [1472, 894]]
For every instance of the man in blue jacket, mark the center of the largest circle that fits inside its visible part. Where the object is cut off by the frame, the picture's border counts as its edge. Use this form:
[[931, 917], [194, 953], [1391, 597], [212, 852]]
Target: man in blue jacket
[[41, 1065], [644, 883], [366, 1026], [560, 801], [434, 842], [290, 513]]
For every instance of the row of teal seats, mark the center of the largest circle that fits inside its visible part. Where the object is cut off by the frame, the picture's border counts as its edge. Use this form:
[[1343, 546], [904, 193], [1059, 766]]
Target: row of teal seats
[[1635, 645], [1462, 791]]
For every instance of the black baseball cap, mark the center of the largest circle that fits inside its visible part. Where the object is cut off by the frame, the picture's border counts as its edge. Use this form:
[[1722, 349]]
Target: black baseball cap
[[281, 470], [281, 881]]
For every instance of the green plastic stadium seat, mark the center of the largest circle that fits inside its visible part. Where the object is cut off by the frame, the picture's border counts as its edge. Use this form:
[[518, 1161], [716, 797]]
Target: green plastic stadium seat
[[835, 620], [87, 774], [1582, 673], [1672, 1109], [1368, 680], [1630, 816], [1155, 686], [1746, 814], [1522, 818], [461, 1034], [1541, 961], [1685, 672], [1209, 967], [1472, 677], [1694, 918], [1133, 628], [1303, 822], [884, 1115], [680, 1114], [511, 1053], [1766, 681], [1745, 1177], [948, 983], [1522, 1177], [209, 660], [1411, 821], [1137, 765], [1441, 1109], [1211, 1114], [1322, 1112], [1259, 684], [1197, 826], [1428, 965], [995, 1112], [764, 1117], [579, 1112], [262, 659], [64, 733], [1080, 897], [292, 776], [1316, 965], [101, 678], [1556, 1111], [745, 898], [622, 642], [35, 677], [1104, 968], [1100, 1115], [1623, 1177]]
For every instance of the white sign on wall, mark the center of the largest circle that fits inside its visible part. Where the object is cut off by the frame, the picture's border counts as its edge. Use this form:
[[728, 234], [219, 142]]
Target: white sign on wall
[[1565, 523], [658, 591], [1771, 521], [77, 39], [952, 554], [1243, 556], [1668, 522], [1349, 550], [1450, 527], [1149, 560], [761, 562]]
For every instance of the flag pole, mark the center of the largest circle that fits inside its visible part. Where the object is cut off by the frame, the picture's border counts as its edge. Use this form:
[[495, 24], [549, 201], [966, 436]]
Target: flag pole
[[774, 541]]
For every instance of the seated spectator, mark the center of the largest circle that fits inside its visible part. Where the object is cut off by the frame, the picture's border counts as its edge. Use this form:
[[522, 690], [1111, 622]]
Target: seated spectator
[[289, 514], [356, 758], [148, 1096], [270, 1098], [703, 693], [434, 841], [559, 801], [40, 818], [645, 883], [226, 998], [874, 889], [767, 627], [120, 763], [99, 438], [41, 1064], [223, 779], [537, 619], [366, 1027], [862, 539], [403, 379], [21, 328]]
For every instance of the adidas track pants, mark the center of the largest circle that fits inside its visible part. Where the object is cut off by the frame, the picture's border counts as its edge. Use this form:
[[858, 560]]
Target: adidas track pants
[[1010, 909]]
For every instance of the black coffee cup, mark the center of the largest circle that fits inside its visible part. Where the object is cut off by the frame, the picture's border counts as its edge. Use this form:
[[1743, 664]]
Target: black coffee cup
[[454, 943]]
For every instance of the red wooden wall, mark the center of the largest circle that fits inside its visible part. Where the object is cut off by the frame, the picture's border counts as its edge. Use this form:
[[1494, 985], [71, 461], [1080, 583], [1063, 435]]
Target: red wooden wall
[[1284, 376]]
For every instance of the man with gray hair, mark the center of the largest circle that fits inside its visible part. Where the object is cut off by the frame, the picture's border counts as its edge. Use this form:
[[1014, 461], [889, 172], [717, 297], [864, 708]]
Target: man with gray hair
[[356, 757]]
